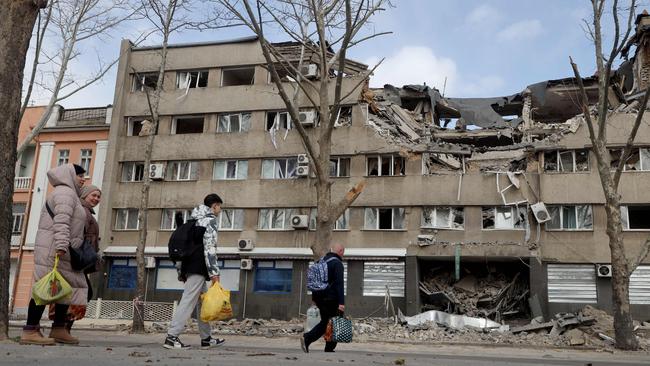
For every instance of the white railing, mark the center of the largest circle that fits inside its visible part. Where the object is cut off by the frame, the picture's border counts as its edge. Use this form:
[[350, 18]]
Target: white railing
[[22, 182], [15, 240]]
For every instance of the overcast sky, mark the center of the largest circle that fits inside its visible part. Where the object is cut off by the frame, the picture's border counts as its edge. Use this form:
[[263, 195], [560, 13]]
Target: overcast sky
[[483, 48]]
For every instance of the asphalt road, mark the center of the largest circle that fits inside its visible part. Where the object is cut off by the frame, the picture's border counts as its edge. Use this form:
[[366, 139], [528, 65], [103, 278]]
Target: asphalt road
[[99, 348]]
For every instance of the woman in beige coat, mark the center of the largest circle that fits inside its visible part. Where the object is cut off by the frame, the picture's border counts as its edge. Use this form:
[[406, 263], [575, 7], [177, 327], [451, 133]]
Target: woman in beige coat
[[57, 233]]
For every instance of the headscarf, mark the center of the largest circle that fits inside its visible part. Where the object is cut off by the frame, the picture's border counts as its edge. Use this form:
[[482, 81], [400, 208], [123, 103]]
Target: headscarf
[[86, 190]]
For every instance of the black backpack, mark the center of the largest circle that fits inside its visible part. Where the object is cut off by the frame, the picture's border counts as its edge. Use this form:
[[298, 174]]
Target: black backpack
[[182, 243]]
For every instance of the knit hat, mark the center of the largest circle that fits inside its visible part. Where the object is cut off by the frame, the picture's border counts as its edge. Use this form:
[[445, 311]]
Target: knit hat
[[86, 190], [211, 199], [78, 170]]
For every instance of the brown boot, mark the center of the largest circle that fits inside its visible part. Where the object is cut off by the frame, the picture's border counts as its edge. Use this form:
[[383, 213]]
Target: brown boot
[[61, 335], [34, 336]]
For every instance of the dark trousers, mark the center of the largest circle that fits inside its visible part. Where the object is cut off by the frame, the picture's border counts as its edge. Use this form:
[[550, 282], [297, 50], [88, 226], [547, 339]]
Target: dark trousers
[[35, 313], [328, 309]]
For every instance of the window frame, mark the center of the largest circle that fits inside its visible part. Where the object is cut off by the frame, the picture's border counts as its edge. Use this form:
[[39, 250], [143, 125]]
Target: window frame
[[236, 212], [197, 80], [238, 164], [377, 226], [643, 164], [128, 265], [241, 116], [128, 211], [63, 157], [134, 171], [18, 218], [380, 162], [313, 212], [274, 267], [338, 166], [625, 218], [174, 126], [289, 123], [558, 161], [434, 218], [226, 69], [187, 214], [286, 168], [85, 160], [575, 213], [513, 211], [175, 176], [139, 81], [286, 225]]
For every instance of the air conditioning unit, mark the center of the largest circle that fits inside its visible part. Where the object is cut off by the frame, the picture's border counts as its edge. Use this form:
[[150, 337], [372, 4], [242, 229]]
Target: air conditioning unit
[[604, 270], [309, 71], [302, 171], [307, 118], [157, 171], [245, 244], [540, 212], [149, 262], [246, 264], [300, 221], [303, 159]]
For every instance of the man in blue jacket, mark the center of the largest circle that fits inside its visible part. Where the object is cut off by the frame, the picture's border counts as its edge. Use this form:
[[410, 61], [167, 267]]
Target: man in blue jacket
[[330, 301]]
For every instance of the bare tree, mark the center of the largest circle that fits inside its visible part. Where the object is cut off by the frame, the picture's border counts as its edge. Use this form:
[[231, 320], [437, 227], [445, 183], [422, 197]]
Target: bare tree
[[166, 17], [18, 18], [75, 23], [623, 263], [317, 27]]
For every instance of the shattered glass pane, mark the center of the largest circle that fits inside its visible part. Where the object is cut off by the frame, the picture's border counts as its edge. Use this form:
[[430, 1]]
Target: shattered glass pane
[[488, 217], [556, 222], [520, 217], [386, 165], [639, 217], [287, 216], [242, 169], [280, 168], [268, 167], [132, 220], [183, 171], [344, 167], [277, 219], [458, 218], [194, 170], [285, 120], [373, 166], [625, 218], [219, 169], [223, 124], [504, 218], [427, 216], [333, 167], [634, 161], [203, 79], [270, 120], [231, 169], [569, 217], [182, 80], [398, 165], [550, 161], [234, 123], [566, 161], [582, 160], [167, 219], [645, 159], [585, 220], [239, 219], [291, 167], [343, 222], [398, 218], [227, 219], [245, 122], [264, 219], [312, 218], [442, 217], [370, 219]]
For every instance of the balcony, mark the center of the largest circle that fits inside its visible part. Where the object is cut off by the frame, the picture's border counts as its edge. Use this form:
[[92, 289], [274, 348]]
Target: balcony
[[22, 183], [15, 240]]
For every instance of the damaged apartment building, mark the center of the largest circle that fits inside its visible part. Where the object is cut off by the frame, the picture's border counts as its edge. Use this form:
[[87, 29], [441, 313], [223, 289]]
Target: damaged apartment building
[[488, 207]]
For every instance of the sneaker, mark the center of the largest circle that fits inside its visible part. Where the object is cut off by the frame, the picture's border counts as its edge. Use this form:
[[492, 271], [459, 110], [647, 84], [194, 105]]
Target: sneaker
[[212, 342], [172, 342], [303, 345]]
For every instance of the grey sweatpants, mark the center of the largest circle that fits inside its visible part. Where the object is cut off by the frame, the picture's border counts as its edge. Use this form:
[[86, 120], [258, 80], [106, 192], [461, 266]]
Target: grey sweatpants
[[194, 287]]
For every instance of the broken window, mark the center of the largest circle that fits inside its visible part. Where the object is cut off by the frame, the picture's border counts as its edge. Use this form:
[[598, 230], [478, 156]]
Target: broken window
[[279, 168], [384, 219], [567, 161], [168, 221], [569, 217], [385, 165], [275, 218], [638, 160], [185, 125], [434, 162], [182, 170], [142, 81], [443, 217], [238, 76], [230, 169], [132, 171], [635, 217], [134, 125], [126, 219], [344, 117], [342, 223], [281, 120], [191, 79], [234, 122], [339, 167], [504, 217], [231, 219]]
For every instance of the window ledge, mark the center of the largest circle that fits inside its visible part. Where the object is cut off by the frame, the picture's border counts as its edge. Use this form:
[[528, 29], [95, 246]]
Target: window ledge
[[126, 230], [569, 230], [636, 230], [274, 230], [557, 173], [384, 176], [503, 229], [441, 228], [386, 230]]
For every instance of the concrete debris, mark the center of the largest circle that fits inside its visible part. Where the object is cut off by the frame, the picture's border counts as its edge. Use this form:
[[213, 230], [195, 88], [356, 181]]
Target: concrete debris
[[576, 337], [451, 320]]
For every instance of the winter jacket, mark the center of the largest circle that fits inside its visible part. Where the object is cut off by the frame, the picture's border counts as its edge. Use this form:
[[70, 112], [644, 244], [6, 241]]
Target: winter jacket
[[91, 232], [335, 290], [203, 262], [64, 230]]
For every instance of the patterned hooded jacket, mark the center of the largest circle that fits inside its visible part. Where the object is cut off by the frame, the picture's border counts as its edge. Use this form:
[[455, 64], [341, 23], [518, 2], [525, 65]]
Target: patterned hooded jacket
[[205, 218]]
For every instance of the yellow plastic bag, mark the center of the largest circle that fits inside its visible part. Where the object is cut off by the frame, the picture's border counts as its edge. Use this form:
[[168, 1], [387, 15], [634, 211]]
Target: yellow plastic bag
[[51, 288], [215, 304]]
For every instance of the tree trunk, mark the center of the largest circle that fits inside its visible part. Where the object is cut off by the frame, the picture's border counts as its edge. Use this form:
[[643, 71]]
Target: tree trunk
[[324, 221], [18, 18]]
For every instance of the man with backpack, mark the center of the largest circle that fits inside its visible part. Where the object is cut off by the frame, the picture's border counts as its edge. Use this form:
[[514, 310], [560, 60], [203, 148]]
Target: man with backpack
[[325, 280], [193, 248]]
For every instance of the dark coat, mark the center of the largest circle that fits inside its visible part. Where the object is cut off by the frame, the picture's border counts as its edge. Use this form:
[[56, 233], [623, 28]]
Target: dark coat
[[335, 291]]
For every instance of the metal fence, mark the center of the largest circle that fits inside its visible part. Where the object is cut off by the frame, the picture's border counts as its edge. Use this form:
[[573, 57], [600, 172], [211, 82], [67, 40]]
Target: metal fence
[[111, 309]]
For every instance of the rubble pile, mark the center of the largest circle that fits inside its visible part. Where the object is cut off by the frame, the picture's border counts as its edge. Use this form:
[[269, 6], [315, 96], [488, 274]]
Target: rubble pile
[[493, 296]]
